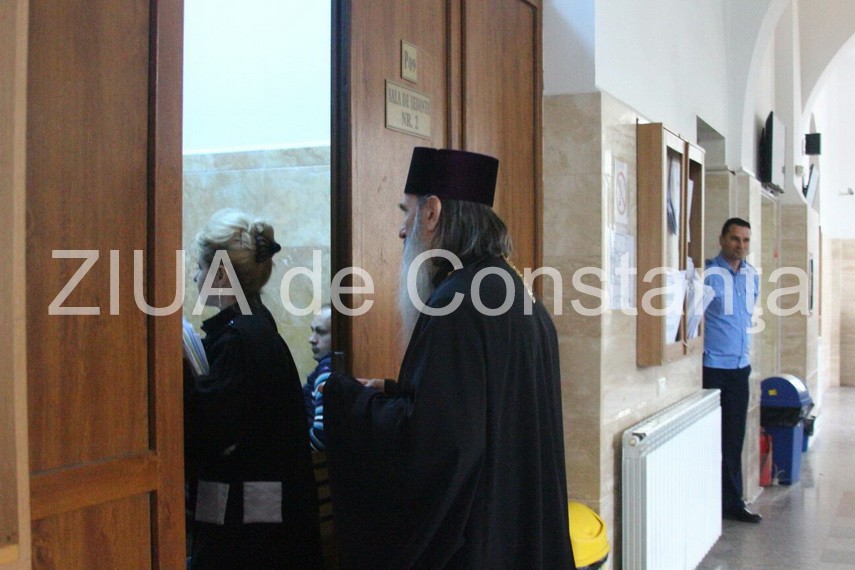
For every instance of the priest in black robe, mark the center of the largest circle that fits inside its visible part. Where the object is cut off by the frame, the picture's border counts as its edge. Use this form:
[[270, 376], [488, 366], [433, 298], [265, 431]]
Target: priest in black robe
[[460, 462]]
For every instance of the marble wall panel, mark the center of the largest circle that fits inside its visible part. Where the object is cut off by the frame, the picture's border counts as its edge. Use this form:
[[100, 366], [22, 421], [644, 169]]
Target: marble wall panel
[[794, 260], [572, 215], [768, 340], [605, 392], [812, 343], [290, 188], [572, 230], [580, 406], [847, 312], [717, 189], [830, 307], [572, 135]]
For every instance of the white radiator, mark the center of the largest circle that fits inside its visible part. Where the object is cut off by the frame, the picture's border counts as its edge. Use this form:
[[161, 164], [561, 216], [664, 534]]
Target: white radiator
[[672, 485]]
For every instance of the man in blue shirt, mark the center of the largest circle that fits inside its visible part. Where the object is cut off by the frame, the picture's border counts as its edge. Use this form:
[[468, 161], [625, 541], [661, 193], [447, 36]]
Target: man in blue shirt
[[726, 346], [321, 342]]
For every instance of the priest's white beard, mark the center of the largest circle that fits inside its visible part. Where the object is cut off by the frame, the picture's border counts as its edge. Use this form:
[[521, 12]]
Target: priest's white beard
[[413, 246]]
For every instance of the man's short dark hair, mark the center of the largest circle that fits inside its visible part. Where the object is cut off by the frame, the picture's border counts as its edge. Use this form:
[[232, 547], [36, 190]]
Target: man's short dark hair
[[734, 222]]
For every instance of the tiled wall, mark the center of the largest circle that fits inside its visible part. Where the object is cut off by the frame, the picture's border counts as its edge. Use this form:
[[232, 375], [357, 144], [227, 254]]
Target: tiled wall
[[604, 390], [572, 174], [768, 340], [290, 188], [717, 208], [746, 203], [796, 347], [847, 314], [833, 273], [812, 332]]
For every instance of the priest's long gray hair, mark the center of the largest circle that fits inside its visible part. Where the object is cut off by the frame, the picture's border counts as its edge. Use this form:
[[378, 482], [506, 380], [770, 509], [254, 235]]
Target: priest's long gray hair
[[471, 231]]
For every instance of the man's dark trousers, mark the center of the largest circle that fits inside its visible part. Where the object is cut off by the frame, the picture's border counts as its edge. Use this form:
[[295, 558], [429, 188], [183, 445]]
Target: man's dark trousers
[[734, 411]]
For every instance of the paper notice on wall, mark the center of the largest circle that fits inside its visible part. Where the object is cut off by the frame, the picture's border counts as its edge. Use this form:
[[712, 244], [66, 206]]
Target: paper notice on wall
[[621, 271]]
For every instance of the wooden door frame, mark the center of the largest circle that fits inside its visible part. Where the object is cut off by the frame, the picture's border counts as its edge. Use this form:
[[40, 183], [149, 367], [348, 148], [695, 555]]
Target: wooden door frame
[[166, 380], [341, 180], [15, 547]]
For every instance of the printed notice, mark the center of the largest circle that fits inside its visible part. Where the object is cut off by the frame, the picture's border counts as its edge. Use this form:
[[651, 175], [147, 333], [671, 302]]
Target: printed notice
[[407, 111]]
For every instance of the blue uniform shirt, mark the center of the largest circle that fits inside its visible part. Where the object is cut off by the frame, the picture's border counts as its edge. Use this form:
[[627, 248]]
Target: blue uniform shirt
[[728, 316]]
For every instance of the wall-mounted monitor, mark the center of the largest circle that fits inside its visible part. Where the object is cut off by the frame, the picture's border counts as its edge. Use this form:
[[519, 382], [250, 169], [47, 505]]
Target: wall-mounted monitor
[[772, 153]]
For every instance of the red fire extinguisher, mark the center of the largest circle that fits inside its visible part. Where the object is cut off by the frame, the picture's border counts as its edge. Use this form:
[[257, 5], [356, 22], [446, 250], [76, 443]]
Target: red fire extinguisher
[[765, 459]]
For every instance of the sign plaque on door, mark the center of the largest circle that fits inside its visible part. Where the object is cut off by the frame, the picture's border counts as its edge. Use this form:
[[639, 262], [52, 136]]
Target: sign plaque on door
[[409, 62], [407, 110]]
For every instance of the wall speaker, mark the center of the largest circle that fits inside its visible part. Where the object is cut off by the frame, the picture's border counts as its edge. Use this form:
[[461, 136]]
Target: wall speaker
[[812, 143]]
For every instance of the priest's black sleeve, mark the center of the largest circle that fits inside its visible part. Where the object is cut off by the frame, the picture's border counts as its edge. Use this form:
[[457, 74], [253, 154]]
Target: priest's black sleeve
[[407, 466]]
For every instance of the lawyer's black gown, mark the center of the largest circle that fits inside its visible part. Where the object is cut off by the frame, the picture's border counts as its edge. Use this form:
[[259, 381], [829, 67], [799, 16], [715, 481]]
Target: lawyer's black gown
[[245, 422]]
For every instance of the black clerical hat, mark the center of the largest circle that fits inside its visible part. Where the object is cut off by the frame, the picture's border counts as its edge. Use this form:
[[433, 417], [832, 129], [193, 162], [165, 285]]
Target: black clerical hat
[[453, 174]]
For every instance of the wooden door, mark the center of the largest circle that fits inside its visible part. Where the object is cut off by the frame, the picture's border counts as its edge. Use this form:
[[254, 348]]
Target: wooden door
[[479, 63], [104, 178], [502, 94]]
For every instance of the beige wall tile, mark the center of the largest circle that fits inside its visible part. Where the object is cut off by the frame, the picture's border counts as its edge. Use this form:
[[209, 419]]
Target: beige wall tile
[[606, 392], [296, 157], [716, 209], [832, 307], [572, 134], [847, 313], [573, 219]]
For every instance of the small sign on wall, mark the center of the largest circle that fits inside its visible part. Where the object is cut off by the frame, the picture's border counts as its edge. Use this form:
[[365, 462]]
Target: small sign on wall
[[621, 194], [407, 110], [409, 62]]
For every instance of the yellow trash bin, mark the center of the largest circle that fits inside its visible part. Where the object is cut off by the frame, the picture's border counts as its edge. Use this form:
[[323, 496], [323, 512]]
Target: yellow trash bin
[[588, 537]]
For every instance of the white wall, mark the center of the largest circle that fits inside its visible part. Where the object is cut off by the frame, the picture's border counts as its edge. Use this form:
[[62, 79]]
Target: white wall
[[667, 59], [750, 31], [764, 99], [835, 121], [568, 47], [670, 60], [256, 74]]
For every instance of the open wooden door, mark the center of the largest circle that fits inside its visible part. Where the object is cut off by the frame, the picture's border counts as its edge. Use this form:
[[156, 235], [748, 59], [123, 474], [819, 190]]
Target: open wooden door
[[478, 66], [103, 182]]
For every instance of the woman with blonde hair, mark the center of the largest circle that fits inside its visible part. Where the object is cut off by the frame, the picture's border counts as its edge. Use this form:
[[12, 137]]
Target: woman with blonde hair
[[245, 425]]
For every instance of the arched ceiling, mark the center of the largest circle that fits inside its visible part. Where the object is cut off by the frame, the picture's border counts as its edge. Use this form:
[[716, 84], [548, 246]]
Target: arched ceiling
[[825, 27]]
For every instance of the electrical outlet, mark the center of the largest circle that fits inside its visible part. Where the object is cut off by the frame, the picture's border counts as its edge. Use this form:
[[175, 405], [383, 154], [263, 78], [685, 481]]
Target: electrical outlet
[[663, 385]]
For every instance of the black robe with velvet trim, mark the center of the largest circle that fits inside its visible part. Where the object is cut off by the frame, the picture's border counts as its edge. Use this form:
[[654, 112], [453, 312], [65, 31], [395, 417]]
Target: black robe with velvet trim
[[462, 463]]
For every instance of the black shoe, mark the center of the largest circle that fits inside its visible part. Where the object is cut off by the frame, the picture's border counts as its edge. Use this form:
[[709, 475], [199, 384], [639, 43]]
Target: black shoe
[[743, 515]]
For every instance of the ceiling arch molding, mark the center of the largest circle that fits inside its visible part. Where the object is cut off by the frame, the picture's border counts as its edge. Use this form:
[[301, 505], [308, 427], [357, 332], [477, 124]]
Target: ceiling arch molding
[[825, 27]]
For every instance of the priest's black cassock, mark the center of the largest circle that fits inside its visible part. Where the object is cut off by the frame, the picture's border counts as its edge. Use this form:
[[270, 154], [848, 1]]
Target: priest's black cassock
[[461, 462]]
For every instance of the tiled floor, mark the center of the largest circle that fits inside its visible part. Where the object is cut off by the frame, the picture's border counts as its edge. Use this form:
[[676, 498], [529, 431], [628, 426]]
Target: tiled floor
[[810, 524]]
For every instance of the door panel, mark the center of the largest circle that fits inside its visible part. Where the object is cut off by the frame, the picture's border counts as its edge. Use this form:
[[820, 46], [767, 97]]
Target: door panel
[[379, 160], [502, 94], [104, 390], [480, 63], [87, 153], [109, 535]]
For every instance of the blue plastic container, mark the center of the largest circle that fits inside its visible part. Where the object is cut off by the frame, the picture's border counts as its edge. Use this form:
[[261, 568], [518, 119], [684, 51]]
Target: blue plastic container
[[784, 404], [787, 453]]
